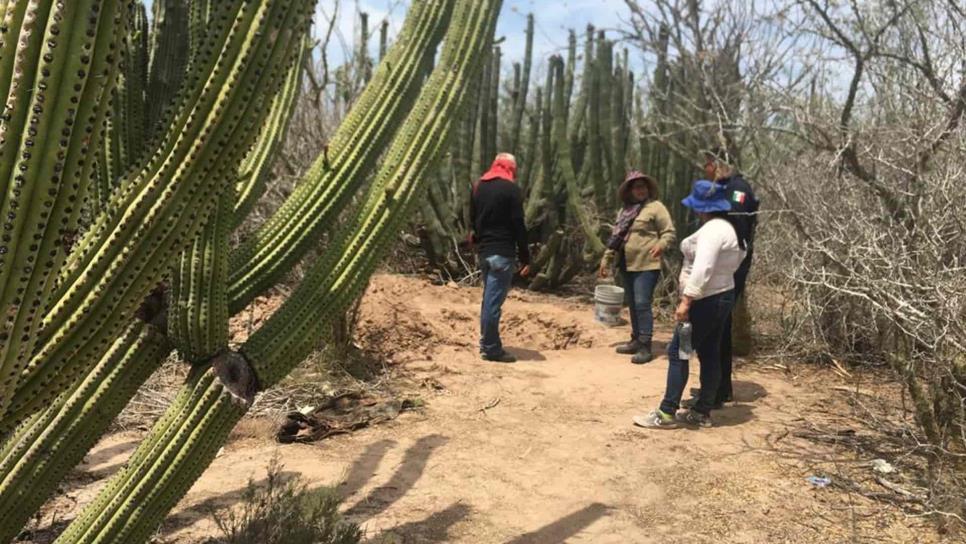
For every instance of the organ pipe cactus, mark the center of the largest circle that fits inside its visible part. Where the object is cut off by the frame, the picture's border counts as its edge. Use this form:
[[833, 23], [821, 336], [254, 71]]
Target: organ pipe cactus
[[187, 437], [56, 80], [256, 167], [161, 206], [567, 190], [520, 96], [38, 456], [78, 430]]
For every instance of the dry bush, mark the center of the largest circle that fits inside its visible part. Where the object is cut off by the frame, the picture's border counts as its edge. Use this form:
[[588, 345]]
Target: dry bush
[[851, 127], [285, 511]]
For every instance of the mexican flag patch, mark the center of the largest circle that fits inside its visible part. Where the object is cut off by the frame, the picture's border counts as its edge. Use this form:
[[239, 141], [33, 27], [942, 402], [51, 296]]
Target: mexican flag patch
[[738, 197]]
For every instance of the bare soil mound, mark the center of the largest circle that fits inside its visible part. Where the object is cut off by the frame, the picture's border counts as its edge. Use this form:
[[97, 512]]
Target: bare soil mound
[[406, 319]]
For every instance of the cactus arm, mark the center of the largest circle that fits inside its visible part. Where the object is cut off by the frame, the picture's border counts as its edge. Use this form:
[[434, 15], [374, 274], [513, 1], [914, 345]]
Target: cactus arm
[[44, 159], [37, 457], [161, 207], [581, 106], [256, 168], [198, 309], [521, 96], [334, 280], [493, 108], [565, 164], [383, 39], [325, 190], [530, 150], [169, 53]]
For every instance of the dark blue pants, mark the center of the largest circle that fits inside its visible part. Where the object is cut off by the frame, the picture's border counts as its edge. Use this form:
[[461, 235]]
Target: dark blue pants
[[497, 274], [726, 389], [707, 317], [638, 295]]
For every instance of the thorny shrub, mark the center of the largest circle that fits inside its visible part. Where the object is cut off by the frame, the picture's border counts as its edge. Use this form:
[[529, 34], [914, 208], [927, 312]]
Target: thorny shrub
[[285, 511]]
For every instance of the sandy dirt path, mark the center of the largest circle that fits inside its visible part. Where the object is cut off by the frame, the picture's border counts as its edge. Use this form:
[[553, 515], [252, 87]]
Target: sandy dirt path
[[543, 451]]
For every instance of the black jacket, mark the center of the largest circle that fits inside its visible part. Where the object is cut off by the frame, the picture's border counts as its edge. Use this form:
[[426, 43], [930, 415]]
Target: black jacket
[[744, 206], [497, 215]]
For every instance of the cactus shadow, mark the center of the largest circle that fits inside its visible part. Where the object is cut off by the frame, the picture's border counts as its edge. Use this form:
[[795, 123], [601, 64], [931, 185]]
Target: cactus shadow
[[364, 467], [93, 461], [409, 472], [434, 528], [565, 527], [362, 470]]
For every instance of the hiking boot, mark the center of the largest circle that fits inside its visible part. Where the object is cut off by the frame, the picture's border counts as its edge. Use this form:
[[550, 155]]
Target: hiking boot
[[502, 357], [694, 419], [656, 420], [630, 348], [642, 356]]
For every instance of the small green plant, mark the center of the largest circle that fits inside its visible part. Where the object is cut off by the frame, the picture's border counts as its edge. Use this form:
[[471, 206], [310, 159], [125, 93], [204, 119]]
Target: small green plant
[[283, 510]]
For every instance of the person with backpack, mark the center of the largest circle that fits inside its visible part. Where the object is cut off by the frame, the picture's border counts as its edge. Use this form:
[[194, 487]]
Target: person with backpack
[[712, 255], [500, 236], [641, 233]]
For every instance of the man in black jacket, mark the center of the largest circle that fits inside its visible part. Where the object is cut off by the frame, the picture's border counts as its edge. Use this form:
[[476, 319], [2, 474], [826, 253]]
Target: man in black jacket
[[500, 235], [719, 166]]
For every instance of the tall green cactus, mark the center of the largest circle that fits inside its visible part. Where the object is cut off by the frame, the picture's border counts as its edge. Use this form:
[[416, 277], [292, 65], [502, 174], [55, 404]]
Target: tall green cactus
[[126, 253], [255, 169], [78, 430], [170, 50], [520, 96], [56, 80], [40, 453], [186, 439]]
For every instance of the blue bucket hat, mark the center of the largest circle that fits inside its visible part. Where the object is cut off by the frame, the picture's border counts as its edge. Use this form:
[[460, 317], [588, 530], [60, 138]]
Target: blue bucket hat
[[707, 197]]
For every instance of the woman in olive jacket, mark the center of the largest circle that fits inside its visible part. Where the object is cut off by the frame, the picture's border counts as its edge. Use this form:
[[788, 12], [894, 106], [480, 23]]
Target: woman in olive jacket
[[642, 232]]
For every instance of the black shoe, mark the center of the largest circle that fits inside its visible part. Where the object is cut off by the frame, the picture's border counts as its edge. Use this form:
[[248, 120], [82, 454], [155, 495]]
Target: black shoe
[[503, 357], [693, 418], [630, 348], [691, 402], [643, 356]]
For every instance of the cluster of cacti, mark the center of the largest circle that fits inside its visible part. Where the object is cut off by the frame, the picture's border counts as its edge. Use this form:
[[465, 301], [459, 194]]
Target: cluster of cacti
[[572, 145], [153, 271]]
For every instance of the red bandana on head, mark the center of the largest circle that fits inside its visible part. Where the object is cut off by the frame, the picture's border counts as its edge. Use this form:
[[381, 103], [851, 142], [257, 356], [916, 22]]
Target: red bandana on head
[[502, 168]]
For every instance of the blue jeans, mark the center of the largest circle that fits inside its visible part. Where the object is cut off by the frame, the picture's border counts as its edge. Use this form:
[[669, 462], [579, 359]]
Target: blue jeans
[[497, 272], [638, 294], [708, 316]]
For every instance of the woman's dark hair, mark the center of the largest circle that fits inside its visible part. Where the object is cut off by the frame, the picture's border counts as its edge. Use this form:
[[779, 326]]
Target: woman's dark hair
[[733, 221]]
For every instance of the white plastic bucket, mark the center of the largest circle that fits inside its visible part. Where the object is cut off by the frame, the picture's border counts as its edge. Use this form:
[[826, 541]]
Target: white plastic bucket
[[608, 300]]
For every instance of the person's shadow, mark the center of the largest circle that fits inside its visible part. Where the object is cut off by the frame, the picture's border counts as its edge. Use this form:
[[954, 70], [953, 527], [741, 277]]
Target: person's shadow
[[524, 354]]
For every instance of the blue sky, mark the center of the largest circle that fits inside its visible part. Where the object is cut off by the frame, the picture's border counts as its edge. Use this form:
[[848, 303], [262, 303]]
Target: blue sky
[[553, 19]]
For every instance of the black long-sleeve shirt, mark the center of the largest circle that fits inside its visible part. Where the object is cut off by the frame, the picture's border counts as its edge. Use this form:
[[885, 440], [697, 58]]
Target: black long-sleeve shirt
[[498, 225], [744, 206]]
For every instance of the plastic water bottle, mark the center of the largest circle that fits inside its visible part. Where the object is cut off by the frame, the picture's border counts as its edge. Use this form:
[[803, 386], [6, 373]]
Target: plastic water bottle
[[684, 340]]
